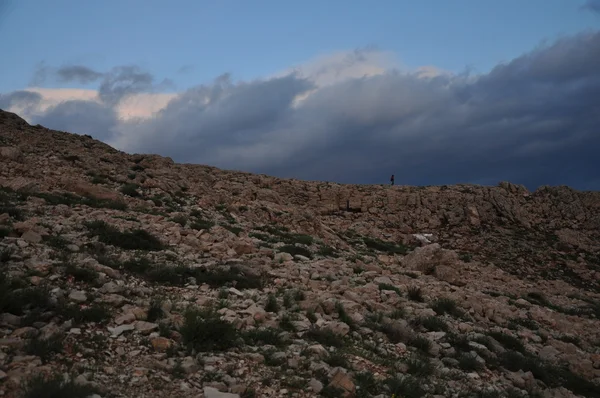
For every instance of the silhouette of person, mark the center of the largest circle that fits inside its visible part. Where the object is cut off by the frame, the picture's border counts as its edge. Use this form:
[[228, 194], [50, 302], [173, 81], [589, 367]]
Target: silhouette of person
[[392, 179]]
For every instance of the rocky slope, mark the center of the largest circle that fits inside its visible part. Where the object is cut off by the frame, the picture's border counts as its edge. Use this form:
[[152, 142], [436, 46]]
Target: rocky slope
[[133, 276]]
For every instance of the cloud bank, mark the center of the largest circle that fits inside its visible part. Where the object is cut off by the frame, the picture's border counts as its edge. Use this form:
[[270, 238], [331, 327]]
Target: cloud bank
[[358, 117]]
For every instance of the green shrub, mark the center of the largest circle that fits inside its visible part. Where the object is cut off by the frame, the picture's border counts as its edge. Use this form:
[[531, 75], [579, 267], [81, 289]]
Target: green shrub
[[54, 386], [468, 362], [180, 219], [296, 250], [553, 376], [155, 311], [446, 305], [508, 341], [267, 336], [434, 324], [4, 232], [17, 300], [406, 387], [130, 189], [337, 359], [204, 331], [325, 337], [97, 313], [202, 224], [415, 294], [420, 343], [366, 384], [271, 305], [45, 348], [327, 251], [382, 246], [81, 274], [386, 286], [420, 366], [137, 239]]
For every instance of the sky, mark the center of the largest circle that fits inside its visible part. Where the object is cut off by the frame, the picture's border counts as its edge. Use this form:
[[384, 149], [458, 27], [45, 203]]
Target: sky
[[435, 92]]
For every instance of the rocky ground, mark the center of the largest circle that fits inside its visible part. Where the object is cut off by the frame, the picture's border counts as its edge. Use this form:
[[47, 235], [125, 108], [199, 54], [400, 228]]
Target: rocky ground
[[132, 276]]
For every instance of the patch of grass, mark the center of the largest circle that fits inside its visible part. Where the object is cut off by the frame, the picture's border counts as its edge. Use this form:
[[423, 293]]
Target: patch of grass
[[130, 189], [54, 386], [81, 274], [204, 331], [386, 286], [201, 224], [421, 343], [395, 333], [327, 251], [71, 200], [552, 375], [233, 229], [420, 366], [285, 323], [524, 322], [180, 219], [397, 313], [137, 239], [4, 232], [57, 242], [366, 384], [5, 255], [415, 294], [445, 305], [271, 305], [95, 312], [468, 362], [406, 387], [460, 342], [268, 336], [344, 317], [296, 250], [17, 299], [332, 392], [337, 359], [383, 246], [433, 324], [509, 342], [325, 337], [155, 311], [45, 348], [14, 212]]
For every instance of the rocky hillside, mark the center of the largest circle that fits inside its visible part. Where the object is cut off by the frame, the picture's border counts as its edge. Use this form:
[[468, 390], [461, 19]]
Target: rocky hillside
[[133, 276]]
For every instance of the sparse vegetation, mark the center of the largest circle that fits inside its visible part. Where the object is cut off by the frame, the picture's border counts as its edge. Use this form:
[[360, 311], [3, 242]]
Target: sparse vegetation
[[386, 286], [137, 239], [54, 386], [445, 305], [45, 348], [204, 331], [296, 250], [383, 246], [414, 293]]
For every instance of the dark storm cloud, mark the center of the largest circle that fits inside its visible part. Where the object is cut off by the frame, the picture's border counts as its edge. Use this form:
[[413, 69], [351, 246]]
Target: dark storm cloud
[[592, 5], [123, 81], [532, 121], [78, 73], [19, 99], [82, 117]]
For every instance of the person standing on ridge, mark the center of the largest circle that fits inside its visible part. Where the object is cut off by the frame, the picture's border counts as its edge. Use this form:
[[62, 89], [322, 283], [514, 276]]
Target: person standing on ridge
[[392, 179]]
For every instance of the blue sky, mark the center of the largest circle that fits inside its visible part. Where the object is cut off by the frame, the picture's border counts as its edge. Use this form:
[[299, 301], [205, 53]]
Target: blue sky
[[344, 91], [251, 39]]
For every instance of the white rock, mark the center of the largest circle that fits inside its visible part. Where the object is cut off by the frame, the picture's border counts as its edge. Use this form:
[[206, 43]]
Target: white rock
[[210, 392]]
